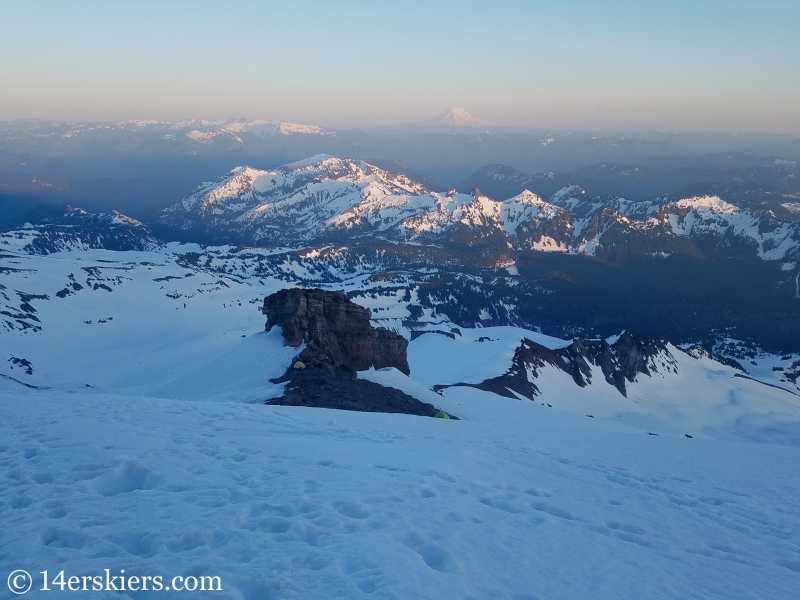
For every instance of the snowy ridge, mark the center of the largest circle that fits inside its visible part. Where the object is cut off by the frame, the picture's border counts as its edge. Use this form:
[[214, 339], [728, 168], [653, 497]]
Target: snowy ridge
[[233, 129], [56, 230], [710, 215], [297, 201], [485, 216], [201, 131], [681, 394], [698, 218], [323, 199], [289, 128]]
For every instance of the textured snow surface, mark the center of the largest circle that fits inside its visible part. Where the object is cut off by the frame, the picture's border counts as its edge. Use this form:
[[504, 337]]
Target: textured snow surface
[[169, 464], [521, 501]]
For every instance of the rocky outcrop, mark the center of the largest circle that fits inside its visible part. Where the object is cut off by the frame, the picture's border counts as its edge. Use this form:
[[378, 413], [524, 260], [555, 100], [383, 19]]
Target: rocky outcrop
[[620, 363], [335, 330], [339, 341], [321, 385]]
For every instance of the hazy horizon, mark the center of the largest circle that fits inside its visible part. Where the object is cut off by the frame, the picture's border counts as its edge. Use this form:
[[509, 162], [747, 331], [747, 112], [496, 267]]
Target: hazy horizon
[[390, 127], [719, 66]]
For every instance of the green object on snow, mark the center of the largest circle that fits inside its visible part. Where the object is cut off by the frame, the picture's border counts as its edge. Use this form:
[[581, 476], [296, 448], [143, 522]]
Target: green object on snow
[[441, 415]]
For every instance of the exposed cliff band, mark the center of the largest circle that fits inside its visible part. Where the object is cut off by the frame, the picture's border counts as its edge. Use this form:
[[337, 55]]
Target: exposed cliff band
[[339, 341]]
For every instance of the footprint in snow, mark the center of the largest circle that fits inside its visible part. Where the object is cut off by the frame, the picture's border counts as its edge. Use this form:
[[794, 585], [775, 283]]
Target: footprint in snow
[[623, 527], [127, 477], [436, 557], [63, 538], [42, 478], [354, 510], [554, 511], [57, 513]]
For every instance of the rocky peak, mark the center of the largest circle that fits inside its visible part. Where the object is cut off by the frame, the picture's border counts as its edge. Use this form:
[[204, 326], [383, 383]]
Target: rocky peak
[[619, 362], [335, 330]]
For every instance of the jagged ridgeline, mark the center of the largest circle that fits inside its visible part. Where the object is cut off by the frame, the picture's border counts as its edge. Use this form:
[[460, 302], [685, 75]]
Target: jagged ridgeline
[[326, 199], [619, 362]]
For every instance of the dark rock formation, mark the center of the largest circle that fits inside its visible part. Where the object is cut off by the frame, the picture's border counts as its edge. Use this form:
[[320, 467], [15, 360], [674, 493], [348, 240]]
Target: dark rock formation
[[335, 330], [619, 362], [322, 385], [339, 341]]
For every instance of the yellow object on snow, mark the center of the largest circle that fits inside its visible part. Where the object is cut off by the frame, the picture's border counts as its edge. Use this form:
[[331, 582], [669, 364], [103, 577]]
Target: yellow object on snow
[[299, 365]]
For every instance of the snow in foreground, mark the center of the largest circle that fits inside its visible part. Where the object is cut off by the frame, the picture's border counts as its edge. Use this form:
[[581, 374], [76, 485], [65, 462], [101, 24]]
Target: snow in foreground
[[308, 503]]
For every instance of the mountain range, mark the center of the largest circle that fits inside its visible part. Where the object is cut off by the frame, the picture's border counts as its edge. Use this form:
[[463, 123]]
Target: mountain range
[[327, 199], [697, 269], [139, 167]]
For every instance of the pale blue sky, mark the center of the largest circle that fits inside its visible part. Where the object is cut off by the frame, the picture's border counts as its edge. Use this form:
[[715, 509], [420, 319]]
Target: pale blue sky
[[704, 64]]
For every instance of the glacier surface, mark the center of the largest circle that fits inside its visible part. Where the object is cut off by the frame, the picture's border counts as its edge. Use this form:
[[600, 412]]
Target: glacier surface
[[139, 441]]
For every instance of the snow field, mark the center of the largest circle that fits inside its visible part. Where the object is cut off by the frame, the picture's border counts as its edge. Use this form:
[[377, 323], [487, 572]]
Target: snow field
[[282, 502], [171, 465]]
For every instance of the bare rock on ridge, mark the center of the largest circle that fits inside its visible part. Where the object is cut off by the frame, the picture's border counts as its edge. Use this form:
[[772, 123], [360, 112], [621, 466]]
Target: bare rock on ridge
[[339, 341], [321, 385], [620, 363], [335, 330]]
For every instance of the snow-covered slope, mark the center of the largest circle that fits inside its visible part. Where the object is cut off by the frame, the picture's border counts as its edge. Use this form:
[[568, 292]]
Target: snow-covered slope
[[292, 204], [278, 502], [165, 323], [133, 436], [520, 501]]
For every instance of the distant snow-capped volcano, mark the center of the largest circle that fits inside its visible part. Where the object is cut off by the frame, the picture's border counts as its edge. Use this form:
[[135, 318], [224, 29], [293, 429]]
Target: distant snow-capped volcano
[[458, 117]]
